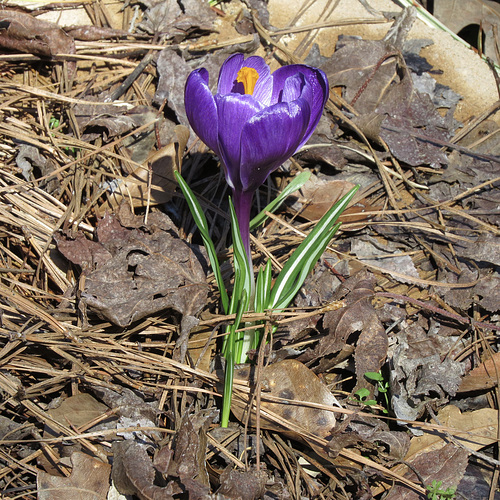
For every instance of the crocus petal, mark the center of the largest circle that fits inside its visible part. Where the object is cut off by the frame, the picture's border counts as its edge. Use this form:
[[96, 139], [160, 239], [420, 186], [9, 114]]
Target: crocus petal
[[253, 134], [292, 90], [315, 91], [228, 73], [258, 64], [234, 111], [270, 138], [264, 89], [200, 108], [264, 85]]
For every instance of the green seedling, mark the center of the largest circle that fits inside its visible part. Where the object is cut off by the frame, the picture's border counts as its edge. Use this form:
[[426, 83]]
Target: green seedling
[[363, 395], [55, 123], [436, 493], [382, 386]]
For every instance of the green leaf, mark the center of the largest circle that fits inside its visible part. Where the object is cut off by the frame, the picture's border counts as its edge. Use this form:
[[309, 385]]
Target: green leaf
[[263, 288], [201, 222], [235, 343], [230, 355], [242, 263], [293, 186], [302, 266], [374, 376], [306, 255], [362, 394]]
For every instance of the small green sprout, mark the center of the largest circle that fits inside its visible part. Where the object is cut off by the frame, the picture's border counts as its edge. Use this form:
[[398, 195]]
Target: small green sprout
[[436, 493], [362, 396], [54, 123], [382, 385]]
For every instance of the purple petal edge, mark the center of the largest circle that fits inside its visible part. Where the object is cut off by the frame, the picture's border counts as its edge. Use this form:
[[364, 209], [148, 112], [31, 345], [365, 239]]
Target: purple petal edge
[[201, 109]]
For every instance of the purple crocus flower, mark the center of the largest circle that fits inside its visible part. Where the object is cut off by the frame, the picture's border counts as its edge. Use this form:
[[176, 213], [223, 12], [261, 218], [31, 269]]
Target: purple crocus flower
[[255, 121]]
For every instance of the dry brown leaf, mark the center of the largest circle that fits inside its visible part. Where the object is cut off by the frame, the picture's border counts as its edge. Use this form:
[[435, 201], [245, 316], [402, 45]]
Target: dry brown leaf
[[133, 473], [242, 485], [183, 464], [458, 16], [75, 411], [485, 376], [357, 316], [78, 410], [158, 173], [80, 250], [202, 345], [89, 479], [291, 380], [320, 193], [476, 429], [437, 459], [147, 274], [190, 447], [447, 465], [149, 269], [421, 370], [351, 66], [389, 107], [173, 71], [176, 19], [25, 33]]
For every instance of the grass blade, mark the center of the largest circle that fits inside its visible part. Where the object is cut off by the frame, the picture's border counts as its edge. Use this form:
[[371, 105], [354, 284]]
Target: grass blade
[[302, 259], [293, 186], [201, 222]]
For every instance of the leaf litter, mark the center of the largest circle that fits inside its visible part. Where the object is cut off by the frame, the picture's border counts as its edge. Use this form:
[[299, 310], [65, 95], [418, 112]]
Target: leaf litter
[[109, 317]]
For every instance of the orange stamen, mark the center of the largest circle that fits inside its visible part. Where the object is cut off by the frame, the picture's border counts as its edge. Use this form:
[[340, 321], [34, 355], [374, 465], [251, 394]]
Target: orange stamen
[[248, 77]]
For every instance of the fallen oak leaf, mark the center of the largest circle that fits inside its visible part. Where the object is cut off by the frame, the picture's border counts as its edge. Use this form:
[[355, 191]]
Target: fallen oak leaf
[[320, 193], [474, 429], [149, 273], [242, 485], [176, 19], [89, 479], [190, 448], [289, 380], [447, 465], [133, 473], [24, 33], [140, 271], [76, 411], [389, 106], [485, 376], [358, 315], [79, 250]]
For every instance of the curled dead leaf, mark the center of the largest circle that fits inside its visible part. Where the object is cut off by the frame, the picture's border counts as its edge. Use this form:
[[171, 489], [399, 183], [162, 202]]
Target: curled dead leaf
[[320, 193], [485, 376], [292, 382], [25, 33], [133, 473], [154, 182], [359, 315], [89, 479], [137, 272]]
